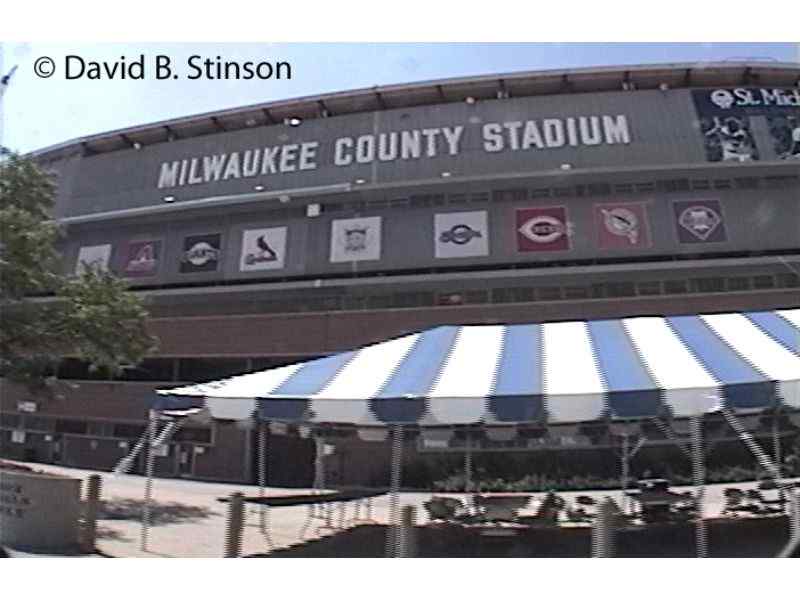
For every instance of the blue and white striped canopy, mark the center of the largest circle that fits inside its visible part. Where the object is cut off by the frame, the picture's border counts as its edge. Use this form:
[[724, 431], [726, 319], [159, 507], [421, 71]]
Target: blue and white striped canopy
[[567, 372]]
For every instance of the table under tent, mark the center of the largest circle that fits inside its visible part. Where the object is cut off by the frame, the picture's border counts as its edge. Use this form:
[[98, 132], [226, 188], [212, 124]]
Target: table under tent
[[504, 378]]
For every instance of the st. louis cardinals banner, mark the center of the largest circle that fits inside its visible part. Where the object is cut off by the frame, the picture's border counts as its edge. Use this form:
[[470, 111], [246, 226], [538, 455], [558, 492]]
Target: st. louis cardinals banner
[[263, 249], [542, 229], [460, 234]]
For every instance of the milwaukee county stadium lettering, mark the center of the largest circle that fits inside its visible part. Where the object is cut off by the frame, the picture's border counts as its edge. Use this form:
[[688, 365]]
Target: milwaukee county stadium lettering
[[401, 145]]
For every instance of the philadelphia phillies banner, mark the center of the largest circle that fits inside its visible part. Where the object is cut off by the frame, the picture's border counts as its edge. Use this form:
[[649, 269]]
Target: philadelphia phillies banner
[[699, 221], [542, 229], [356, 239], [622, 225], [93, 258], [142, 258], [263, 249], [460, 234]]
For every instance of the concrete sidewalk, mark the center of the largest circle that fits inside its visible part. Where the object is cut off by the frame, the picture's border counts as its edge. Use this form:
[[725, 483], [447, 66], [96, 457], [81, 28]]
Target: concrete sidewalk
[[189, 521]]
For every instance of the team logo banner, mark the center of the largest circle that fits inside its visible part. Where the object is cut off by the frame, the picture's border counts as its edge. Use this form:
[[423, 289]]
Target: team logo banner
[[263, 249], [699, 221], [201, 253], [461, 234], [542, 229], [142, 259], [93, 258], [356, 239], [622, 225]]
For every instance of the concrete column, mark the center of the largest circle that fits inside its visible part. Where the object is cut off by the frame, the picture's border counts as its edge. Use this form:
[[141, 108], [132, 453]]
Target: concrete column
[[407, 543], [91, 508], [234, 526], [603, 530]]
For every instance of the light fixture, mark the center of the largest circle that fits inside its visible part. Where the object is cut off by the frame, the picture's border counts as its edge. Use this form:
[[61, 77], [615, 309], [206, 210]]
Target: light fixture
[[259, 188], [566, 166], [283, 198], [169, 198], [469, 100], [360, 181], [293, 121], [446, 173], [250, 122], [663, 86], [313, 210], [137, 146]]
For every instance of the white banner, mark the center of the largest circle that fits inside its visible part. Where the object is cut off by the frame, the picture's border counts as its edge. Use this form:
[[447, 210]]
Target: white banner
[[356, 239], [93, 257], [263, 249], [460, 234]]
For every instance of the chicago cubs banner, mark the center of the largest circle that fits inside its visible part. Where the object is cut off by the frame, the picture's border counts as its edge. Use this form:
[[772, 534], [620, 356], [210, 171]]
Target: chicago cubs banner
[[542, 229], [622, 225], [93, 258], [460, 234], [699, 221], [356, 239], [201, 253], [263, 249], [142, 258]]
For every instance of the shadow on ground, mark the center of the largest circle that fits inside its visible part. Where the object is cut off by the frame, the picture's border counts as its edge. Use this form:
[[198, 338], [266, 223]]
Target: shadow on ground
[[161, 513]]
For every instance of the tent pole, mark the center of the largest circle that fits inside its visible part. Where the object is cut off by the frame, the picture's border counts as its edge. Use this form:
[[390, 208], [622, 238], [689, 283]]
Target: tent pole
[[625, 473], [262, 482], [392, 536], [468, 464], [148, 486], [699, 474]]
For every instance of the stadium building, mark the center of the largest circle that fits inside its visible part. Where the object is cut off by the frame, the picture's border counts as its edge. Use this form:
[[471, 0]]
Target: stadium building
[[288, 230]]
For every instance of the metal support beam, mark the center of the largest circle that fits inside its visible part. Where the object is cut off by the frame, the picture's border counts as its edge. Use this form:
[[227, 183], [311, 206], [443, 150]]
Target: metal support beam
[[468, 465]]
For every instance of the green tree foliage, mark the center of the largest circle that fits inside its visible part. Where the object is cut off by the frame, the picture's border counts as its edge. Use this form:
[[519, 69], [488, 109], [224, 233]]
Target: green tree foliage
[[45, 314]]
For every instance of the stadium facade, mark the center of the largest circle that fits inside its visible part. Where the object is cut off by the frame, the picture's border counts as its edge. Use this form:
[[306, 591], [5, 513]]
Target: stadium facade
[[287, 230]]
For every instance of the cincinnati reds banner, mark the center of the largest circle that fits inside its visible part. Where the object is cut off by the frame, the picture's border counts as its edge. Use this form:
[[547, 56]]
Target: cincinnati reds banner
[[142, 258], [356, 239], [201, 253], [622, 225], [460, 234], [699, 221], [93, 258], [263, 249], [542, 229]]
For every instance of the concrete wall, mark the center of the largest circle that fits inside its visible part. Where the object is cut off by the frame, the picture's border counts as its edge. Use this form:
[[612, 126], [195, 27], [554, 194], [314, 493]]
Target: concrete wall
[[38, 512]]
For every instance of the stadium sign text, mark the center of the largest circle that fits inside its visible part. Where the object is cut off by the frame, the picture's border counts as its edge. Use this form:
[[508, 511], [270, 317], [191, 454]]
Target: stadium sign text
[[402, 145]]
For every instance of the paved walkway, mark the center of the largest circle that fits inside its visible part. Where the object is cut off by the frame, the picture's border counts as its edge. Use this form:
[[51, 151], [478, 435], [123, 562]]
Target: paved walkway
[[189, 521]]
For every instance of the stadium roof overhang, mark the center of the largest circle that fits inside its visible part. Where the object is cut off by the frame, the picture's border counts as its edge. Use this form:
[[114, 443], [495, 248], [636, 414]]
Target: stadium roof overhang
[[469, 89]]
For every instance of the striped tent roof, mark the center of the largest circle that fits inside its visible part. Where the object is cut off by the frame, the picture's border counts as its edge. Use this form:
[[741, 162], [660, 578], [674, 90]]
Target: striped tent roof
[[566, 372]]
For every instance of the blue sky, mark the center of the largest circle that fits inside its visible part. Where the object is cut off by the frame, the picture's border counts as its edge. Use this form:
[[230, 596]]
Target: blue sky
[[42, 112]]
